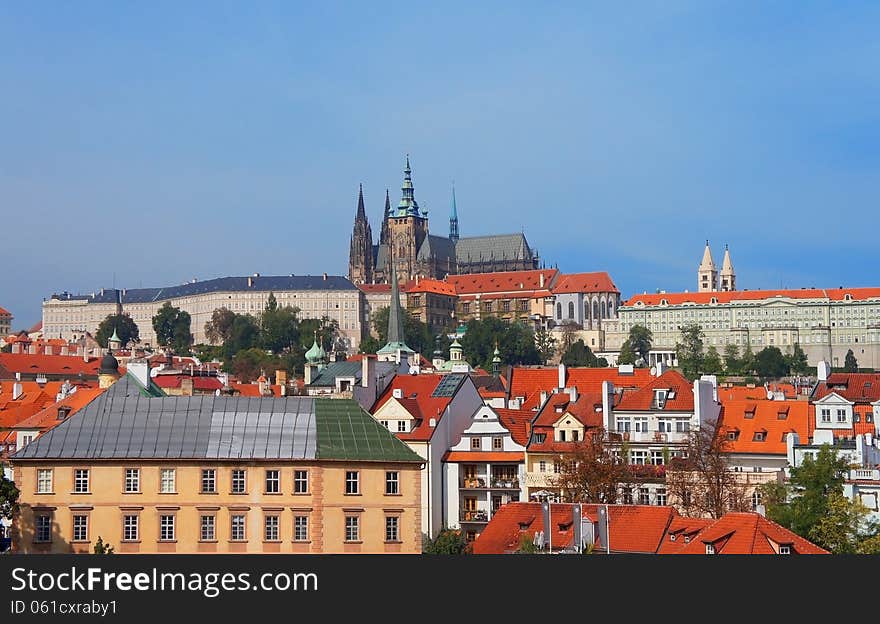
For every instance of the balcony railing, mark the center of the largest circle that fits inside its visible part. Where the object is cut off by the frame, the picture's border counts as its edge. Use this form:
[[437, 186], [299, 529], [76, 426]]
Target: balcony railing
[[470, 483], [864, 474], [505, 484], [538, 479], [477, 515]]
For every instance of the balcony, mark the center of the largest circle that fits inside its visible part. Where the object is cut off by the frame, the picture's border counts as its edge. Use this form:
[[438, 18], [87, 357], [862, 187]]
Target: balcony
[[473, 483], [539, 479], [474, 515], [505, 484], [864, 474]]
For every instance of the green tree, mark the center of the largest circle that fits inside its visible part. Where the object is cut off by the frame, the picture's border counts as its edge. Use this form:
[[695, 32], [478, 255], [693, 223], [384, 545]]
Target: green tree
[[797, 361], [545, 343], [627, 355], [569, 330], [770, 363], [243, 334], [447, 542], [579, 354], [712, 361], [812, 504], [690, 350], [219, 329], [172, 327], [249, 364], [732, 361], [516, 343], [101, 548], [527, 546], [747, 363], [640, 340], [8, 496], [271, 303], [850, 363], [126, 329], [370, 345], [279, 328]]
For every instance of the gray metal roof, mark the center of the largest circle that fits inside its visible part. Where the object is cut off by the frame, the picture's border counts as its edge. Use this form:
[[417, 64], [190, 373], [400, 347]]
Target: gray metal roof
[[440, 248], [220, 284], [326, 377], [498, 247], [124, 423]]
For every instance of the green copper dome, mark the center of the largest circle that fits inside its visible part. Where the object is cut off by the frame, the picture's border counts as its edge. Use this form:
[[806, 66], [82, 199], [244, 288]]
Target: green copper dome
[[315, 355]]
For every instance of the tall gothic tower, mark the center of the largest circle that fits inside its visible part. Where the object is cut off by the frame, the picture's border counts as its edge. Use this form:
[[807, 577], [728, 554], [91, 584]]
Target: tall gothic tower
[[360, 255], [707, 274], [453, 220], [407, 229], [728, 275]]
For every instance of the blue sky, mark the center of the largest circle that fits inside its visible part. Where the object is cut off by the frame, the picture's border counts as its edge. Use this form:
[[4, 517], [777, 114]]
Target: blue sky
[[150, 144]]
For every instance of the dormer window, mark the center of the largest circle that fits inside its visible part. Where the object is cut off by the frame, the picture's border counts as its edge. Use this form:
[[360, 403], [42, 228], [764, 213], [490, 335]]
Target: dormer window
[[710, 549], [732, 435], [540, 438], [749, 414], [660, 398], [759, 436], [672, 537], [785, 550], [687, 539], [562, 435]]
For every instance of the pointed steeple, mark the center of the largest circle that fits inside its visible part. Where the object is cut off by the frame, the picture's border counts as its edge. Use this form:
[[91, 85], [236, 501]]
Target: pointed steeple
[[707, 273], [408, 207], [728, 275], [395, 342], [361, 213], [453, 219]]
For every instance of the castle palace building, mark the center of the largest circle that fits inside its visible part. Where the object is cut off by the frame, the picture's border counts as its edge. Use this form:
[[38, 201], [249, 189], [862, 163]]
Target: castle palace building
[[405, 242]]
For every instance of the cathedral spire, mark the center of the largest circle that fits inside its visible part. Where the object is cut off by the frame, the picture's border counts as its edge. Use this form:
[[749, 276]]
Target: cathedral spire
[[453, 219], [361, 213], [360, 256], [707, 273], [408, 207]]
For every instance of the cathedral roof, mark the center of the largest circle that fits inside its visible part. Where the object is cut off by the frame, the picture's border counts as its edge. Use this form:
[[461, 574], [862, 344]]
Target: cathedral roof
[[496, 247], [439, 248]]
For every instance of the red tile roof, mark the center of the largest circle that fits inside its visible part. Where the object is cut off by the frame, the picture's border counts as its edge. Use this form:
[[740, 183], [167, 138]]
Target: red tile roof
[[584, 409], [205, 384], [528, 381], [833, 294], [748, 533], [417, 400], [757, 393], [49, 364], [766, 419], [521, 283], [680, 533], [599, 282], [483, 456], [632, 528], [855, 387], [47, 418], [642, 400], [429, 286], [516, 422], [5, 312], [13, 412]]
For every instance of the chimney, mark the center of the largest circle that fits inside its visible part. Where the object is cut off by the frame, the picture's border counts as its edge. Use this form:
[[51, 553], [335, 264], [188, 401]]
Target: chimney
[[823, 370], [603, 528], [572, 393], [541, 279], [17, 389], [250, 282], [561, 382], [283, 389], [608, 404], [140, 370], [543, 399], [307, 374], [85, 355], [80, 350], [368, 372], [325, 277], [281, 377], [660, 367]]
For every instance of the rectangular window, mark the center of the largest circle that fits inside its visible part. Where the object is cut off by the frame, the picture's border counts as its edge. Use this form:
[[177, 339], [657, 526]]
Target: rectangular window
[[785, 550], [623, 424], [841, 415], [639, 457], [661, 497], [207, 533], [392, 529], [167, 481], [132, 480], [300, 481], [392, 482], [300, 528], [826, 415], [352, 529], [273, 482], [640, 424], [237, 528], [130, 528], [683, 426], [80, 528], [352, 482], [644, 497], [209, 481], [81, 480], [239, 481], [401, 426], [43, 528], [542, 466], [657, 458], [476, 443], [272, 533], [166, 528], [710, 549], [44, 480]]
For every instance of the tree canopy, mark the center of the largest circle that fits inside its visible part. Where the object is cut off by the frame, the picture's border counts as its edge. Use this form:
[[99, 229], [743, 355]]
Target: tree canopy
[[579, 354], [447, 542], [770, 363], [850, 363], [172, 327], [126, 330], [416, 334], [516, 343], [689, 350]]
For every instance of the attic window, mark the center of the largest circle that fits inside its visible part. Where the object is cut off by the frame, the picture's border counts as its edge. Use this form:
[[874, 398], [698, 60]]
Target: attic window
[[670, 394], [687, 539], [782, 414], [672, 537], [785, 550], [710, 549], [760, 436], [732, 435], [558, 409], [540, 437], [713, 300], [749, 414], [664, 302], [660, 398]]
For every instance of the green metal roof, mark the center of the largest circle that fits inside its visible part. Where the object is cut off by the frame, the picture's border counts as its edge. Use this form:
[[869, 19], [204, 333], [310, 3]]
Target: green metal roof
[[345, 431]]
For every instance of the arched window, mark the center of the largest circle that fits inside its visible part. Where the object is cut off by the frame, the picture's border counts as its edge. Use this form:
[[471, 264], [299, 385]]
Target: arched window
[[571, 309], [604, 310], [595, 310], [611, 309], [559, 311]]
